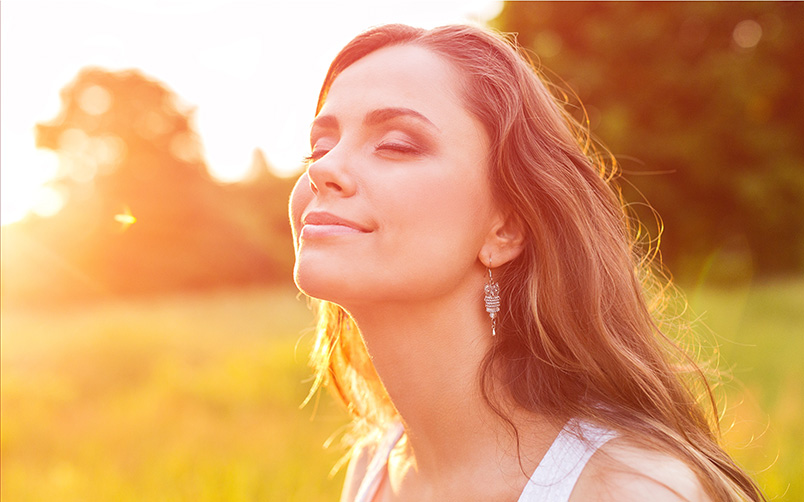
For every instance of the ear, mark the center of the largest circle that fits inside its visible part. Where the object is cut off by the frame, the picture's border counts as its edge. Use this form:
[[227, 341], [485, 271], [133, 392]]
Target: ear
[[504, 242]]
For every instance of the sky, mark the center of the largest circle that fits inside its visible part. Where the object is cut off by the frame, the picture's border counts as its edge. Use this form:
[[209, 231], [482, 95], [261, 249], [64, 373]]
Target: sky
[[251, 71]]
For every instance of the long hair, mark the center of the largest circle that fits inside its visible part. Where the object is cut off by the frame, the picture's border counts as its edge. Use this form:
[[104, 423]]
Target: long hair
[[580, 332]]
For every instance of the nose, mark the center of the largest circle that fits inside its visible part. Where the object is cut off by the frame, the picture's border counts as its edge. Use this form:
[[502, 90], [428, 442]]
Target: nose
[[330, 175]]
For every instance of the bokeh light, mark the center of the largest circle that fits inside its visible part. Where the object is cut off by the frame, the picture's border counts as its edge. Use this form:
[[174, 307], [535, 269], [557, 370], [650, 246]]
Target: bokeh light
[[747, 33]]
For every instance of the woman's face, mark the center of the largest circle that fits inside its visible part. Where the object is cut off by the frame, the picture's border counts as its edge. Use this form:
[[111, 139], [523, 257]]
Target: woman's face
[[396, 204]]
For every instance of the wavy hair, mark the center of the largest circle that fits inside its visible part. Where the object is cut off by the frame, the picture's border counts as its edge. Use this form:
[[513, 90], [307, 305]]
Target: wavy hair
[[580, 332]]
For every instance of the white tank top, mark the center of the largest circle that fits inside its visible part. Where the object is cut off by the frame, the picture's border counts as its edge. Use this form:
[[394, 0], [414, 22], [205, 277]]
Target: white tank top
[[552, 481]]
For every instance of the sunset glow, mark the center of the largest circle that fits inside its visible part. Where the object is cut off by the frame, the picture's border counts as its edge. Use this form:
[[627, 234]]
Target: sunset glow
[[250, 71]]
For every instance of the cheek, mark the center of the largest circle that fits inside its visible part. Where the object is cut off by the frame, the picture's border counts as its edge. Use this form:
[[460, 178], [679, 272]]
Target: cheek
[[444, 218], [457, 202], [300, 197]]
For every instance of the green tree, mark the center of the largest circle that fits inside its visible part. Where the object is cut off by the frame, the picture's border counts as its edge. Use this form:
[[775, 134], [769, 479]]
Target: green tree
[[701, 103]]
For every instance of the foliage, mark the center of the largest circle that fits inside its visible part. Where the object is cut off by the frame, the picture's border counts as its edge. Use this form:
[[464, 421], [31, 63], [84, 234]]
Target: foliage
[[701, 103], [142, 213], [196, 397]]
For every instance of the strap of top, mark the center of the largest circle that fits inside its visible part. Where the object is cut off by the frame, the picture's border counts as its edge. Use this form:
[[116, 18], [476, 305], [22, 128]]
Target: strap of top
[[553, 480], [559, 470], [376, 469]]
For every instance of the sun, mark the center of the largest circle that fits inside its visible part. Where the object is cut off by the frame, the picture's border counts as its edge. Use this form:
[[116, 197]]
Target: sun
[[24, 183]]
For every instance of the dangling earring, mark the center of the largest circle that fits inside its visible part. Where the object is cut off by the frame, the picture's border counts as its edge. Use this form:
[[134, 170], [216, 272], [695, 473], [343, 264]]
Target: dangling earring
[[492, 301]]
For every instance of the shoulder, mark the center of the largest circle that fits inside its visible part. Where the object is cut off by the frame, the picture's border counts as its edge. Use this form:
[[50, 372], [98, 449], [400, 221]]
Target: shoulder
[[360, 457], [623, 471]]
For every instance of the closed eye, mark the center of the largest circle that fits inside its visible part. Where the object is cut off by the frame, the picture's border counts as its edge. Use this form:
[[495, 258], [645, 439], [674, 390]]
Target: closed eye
[[397, 147], [314, 155]]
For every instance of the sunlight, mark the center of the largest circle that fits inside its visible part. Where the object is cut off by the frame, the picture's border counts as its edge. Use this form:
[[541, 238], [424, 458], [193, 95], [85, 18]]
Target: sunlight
[[126, 219], [250, 72], [48, 202], [25, 173]]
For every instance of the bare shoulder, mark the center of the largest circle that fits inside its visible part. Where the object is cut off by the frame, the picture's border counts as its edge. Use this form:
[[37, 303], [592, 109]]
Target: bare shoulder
[[358, 465], [622, 471]]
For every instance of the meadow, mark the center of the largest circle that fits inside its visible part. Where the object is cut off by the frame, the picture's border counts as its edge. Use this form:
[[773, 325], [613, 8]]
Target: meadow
[[197, 397]]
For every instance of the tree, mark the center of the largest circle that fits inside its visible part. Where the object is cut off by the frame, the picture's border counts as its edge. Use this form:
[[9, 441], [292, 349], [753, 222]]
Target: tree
[[701, 102], [142, 214]]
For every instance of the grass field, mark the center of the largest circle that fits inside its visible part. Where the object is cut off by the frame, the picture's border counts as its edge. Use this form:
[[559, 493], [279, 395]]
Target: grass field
[[196, 398], [759, 331]]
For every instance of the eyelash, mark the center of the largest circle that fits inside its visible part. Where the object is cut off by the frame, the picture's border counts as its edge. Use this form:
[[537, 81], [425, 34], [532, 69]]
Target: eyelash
[[402, 148], [313, 156]]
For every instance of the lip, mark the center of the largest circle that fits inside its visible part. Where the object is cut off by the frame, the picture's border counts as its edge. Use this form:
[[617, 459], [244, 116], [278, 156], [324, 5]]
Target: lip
[[322, 224]]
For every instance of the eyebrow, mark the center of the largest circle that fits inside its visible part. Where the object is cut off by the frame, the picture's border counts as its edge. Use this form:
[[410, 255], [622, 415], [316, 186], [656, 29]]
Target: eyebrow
[[385, 114], [375, 117]]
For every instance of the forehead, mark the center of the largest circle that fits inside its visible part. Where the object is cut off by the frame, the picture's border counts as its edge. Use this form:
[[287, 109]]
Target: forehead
[[407, 76]]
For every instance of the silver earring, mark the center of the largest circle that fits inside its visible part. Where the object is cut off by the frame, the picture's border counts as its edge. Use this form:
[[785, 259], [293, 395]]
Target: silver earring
[[492, 301]]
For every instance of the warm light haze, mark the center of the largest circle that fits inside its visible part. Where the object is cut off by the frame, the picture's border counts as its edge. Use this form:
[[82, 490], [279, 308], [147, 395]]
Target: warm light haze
[[221, 58]]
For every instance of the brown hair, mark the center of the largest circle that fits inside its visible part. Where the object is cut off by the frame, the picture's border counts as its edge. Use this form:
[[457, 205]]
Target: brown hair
[[577, 335]]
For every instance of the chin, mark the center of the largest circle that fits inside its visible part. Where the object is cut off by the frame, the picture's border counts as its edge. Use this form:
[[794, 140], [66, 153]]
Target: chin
[[322, 283]]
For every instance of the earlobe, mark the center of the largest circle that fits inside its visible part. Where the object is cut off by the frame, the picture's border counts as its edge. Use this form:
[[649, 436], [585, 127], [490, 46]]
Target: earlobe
[[504, 242]]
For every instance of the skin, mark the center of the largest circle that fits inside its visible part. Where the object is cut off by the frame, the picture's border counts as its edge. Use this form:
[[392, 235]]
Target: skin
[[400, 166], [407, 168]]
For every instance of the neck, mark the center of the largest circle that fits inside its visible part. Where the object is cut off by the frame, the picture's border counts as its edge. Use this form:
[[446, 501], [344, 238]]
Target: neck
[[428, 356]]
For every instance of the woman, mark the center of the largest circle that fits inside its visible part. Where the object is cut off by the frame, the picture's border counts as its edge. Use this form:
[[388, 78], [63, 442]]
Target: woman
[[485, 317]]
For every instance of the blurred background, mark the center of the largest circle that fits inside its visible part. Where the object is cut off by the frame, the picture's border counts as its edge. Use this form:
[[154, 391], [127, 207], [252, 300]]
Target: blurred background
[[153, 345]]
